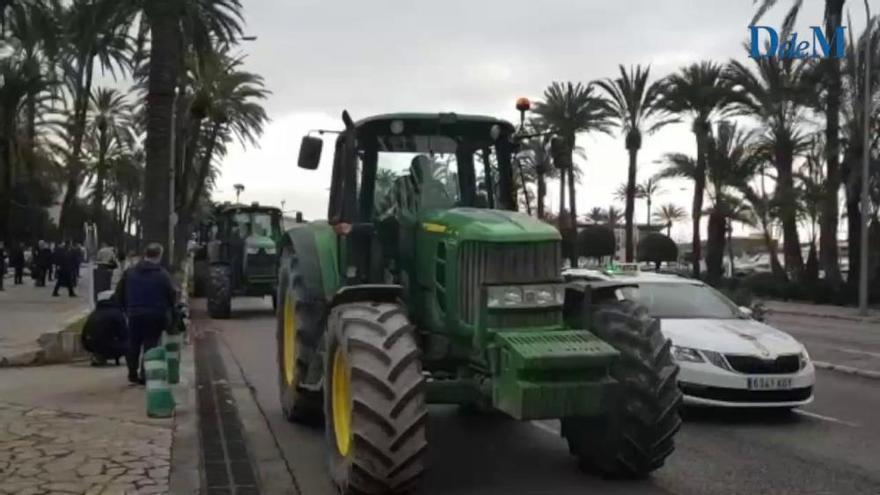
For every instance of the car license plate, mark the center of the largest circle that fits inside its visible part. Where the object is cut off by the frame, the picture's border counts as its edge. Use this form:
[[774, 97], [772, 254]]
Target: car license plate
[[769, 383]]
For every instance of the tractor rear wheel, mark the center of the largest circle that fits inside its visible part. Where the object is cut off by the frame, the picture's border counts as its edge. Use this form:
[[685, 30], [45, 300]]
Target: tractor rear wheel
[[298, 329], [220, 292], [374, 400], [636, 437]]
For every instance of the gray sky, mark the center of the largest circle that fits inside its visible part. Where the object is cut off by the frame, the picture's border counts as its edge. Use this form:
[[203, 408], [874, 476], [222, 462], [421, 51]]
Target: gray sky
[[320, 57]]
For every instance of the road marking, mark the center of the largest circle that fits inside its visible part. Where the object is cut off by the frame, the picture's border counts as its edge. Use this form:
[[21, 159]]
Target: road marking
[[856, 351], [826, 418], [546, 428]]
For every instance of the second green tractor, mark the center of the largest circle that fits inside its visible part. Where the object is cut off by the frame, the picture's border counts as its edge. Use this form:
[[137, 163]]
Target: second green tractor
[[425, 286]]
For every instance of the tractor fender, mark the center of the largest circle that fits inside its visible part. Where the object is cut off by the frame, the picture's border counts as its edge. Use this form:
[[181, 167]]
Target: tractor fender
[[314, 245], [387, 293]]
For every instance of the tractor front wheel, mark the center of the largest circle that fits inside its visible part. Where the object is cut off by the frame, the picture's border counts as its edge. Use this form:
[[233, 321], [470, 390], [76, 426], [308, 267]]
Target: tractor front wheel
[[220, 292], [298, 329], [636, 436], [374, 402]]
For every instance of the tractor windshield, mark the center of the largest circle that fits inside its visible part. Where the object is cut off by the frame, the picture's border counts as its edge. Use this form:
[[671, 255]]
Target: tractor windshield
[[417, 172], [260, 224]]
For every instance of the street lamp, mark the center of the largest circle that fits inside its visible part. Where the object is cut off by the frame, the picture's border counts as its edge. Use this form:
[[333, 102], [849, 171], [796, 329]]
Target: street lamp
[[863, 249]]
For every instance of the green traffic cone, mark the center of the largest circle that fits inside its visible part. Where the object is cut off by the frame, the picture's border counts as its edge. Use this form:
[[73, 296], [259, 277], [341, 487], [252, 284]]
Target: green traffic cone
[[173, 342], [160, 401]]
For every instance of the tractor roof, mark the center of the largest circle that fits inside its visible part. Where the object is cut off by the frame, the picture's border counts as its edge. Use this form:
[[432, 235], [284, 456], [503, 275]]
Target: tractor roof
[[427, 123], [234, 207]]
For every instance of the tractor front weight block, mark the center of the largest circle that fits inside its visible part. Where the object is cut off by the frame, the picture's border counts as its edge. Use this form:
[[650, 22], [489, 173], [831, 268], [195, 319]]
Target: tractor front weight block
[[553, 374]]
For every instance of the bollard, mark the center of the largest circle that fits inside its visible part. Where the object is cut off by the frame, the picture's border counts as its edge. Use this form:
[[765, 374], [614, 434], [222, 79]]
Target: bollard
[[160, 401], [173, 342]]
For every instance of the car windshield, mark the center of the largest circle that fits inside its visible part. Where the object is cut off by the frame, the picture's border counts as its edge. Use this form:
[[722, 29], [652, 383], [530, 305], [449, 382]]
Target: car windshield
[[678, 300]]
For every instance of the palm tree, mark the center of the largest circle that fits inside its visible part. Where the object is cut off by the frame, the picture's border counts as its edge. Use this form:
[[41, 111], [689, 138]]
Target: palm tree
[[597, 215], [776, 96], [566, 110], [700, 92], [537, 164], [668, 215], [613, 216], [833, 87], [634, 109], [94, 30], [646, 191], [109, 119], [811, 188]]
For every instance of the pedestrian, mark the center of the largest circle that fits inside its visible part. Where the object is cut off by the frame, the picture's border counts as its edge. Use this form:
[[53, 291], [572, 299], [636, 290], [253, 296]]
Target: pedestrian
[[76, 262], [16, 259], [50, 265], [147, 295], [63, 261], [105, 333], [43, 262], [106, 257], [2, 264]]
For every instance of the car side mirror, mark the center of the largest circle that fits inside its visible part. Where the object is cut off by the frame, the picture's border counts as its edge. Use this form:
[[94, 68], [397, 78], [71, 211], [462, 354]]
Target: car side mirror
[[310, 152], [747, 312]]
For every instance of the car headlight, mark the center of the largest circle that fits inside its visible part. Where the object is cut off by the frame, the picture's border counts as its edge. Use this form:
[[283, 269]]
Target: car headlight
[[686, 354], [527, 296], [717, 359], [803, 359]]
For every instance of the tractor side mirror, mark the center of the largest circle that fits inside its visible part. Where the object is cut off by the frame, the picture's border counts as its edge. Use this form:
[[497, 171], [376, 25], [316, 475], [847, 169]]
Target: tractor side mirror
[[560, 153], [310, 152]]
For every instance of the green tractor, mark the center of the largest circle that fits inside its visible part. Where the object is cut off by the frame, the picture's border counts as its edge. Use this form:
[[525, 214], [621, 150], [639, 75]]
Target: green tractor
[[242, 255], [427, 287]]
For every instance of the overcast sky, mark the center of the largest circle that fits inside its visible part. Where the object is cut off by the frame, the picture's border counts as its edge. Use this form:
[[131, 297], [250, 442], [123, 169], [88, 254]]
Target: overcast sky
[[320, 56]]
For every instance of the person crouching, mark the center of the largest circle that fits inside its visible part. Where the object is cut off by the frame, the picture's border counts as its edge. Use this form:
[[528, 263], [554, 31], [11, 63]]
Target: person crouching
[[105, 334]]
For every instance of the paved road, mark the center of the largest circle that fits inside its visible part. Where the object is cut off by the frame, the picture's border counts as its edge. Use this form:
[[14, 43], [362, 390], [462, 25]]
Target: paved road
[[830, 447], [846, 342]]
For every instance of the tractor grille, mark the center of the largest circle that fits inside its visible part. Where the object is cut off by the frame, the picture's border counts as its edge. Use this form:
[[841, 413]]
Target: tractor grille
[[260, 266], [753, 365], [503, 263]]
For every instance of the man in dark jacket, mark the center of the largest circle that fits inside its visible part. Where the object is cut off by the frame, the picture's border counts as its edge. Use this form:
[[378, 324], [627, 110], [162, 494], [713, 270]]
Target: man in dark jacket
[[16, 260], [63, 261], [42, 261], [148, 296], [105, 334]]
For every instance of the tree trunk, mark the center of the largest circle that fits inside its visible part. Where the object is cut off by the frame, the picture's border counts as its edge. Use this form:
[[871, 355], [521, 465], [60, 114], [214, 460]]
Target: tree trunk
[[668, 229], [648, 198], [74, 167], [100, 178], [828, 226], [630, 203], [185, 215], [542, 191], [730, 246], [572, 201], [785, 196], [775, 267], [163, 16], [700, 130], [561, 219], [715, 248]]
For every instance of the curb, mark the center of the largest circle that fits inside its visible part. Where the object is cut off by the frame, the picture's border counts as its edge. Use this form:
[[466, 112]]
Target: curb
[[59, 346], [849, 370], [184, 477], [859, 319]]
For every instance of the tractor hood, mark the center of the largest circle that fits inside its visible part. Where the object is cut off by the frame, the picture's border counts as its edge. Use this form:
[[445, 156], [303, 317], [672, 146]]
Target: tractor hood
[[476, 224]]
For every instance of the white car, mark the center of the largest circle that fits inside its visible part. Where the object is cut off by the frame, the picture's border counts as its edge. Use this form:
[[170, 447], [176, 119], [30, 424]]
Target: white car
[[727, 358]]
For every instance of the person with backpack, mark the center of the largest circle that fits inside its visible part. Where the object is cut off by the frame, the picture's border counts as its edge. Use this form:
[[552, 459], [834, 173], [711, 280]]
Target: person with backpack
[[148, 296]]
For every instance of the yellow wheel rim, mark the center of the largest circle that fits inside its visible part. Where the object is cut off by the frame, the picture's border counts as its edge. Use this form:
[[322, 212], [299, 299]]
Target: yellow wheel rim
[[289, 338], [341, 402]]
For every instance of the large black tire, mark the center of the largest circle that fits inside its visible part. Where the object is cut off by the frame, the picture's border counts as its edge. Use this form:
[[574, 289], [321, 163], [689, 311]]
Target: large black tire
[[636, 437], [381, 363], [220, 292], [298, 403]]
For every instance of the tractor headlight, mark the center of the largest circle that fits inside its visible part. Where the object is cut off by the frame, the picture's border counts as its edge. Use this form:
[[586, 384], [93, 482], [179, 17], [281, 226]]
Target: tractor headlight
[[526, 296], [252, 250], [269, 250]]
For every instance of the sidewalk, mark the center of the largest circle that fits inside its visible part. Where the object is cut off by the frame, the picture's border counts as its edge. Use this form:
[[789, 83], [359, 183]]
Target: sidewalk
[[78, 429], [822, 311], [31, 319]]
